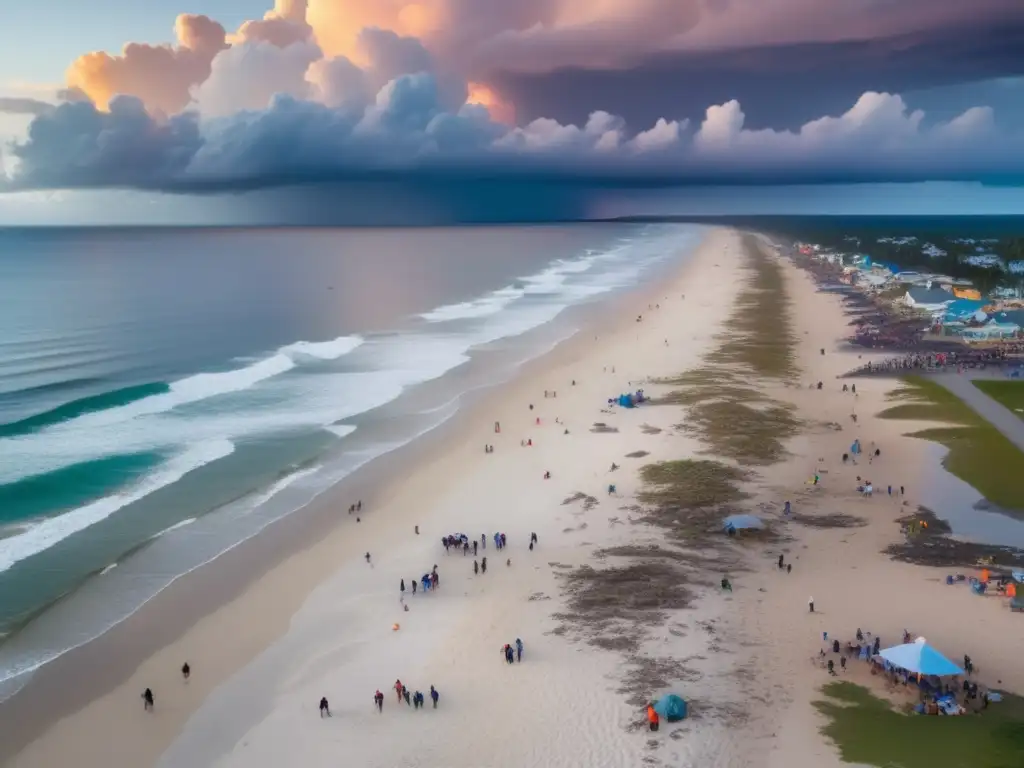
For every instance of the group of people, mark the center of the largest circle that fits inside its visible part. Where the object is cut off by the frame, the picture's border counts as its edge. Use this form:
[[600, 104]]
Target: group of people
[[512, 655]]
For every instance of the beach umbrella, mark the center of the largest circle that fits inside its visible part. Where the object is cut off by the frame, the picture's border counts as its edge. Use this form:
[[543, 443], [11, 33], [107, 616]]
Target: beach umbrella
[[671, 707], [920, 658], [741, 522]]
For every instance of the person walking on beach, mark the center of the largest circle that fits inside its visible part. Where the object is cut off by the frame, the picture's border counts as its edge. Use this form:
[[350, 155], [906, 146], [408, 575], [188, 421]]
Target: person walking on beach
[[401, 587], [147, 700], [405, 695], [519, 649], [476, 567], [810, 604], [781, 561], [186, 671], [417, 700], [414, 586], [325, 709], [367, 557], [474, 548], [398, 690], [533, 539], [378, 700], [483, 540], [483, 565], [434, 696]]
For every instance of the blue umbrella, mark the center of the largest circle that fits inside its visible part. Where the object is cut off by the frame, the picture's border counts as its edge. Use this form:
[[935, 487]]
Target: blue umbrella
[[920, 658]]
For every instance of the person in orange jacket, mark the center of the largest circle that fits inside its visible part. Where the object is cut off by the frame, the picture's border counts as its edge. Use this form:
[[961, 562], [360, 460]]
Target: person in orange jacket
[[652, 717]]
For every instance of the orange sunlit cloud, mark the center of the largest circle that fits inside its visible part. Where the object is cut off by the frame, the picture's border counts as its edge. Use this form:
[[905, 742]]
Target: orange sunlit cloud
[[501, 111]]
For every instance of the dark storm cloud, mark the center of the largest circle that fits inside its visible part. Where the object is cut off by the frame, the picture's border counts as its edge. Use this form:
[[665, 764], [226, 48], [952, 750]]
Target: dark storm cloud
[[782, 86]]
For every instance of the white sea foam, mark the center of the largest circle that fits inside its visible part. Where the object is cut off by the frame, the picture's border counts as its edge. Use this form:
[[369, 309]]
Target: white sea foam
[[176, 526], [324, 350], [285, 481], [489, 304], [203, 386], [55, 529], [108, 569]]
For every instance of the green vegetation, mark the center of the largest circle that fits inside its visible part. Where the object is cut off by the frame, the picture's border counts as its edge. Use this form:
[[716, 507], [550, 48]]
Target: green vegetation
[[1009, 393], [691, 483], [868, 731], [979, 454], [760, 334]]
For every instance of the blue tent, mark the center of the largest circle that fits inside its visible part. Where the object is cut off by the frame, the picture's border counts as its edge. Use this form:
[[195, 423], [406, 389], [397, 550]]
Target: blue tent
[[920, 658], [671, 707], [740, 522]]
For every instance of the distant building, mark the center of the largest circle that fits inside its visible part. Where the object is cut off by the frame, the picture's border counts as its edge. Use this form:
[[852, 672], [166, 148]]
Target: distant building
[[928, 299]]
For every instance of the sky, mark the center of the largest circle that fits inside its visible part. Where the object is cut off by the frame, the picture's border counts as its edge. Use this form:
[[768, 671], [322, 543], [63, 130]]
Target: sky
[[301, 105]]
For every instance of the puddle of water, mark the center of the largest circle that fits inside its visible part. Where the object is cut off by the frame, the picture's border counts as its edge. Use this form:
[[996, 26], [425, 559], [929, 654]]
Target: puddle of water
[[969, 515]]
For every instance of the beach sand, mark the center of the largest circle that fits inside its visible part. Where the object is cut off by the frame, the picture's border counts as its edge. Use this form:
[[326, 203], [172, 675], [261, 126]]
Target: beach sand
[[320, 623]]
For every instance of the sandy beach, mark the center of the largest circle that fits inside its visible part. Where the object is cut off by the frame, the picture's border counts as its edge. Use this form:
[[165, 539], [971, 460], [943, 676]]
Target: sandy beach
[[325, 622]]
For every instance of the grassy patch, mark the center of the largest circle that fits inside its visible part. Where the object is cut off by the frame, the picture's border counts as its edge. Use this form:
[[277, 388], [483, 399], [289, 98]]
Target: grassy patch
[[979, 454], [867, 730], [745, 433], [1008, 393], [760, 335], [691, 484]]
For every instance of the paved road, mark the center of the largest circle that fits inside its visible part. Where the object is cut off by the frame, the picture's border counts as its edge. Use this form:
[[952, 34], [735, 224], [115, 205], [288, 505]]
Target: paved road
[[1001, 417]]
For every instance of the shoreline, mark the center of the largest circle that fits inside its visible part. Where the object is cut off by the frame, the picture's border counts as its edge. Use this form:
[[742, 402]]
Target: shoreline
[[196, 597], [620, 604]]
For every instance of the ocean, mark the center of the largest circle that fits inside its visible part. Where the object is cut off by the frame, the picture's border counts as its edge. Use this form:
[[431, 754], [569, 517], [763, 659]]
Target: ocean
[[168, 393]]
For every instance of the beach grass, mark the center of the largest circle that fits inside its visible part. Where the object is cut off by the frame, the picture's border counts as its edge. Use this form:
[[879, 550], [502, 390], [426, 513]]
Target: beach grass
[[745, 433], [690, 484], [759, 335], [979, 454], [1007, 393], [868, 731]]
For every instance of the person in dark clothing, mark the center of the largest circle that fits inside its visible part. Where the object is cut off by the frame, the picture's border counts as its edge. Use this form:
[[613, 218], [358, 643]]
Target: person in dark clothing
[[483, 565], [474, 548], [405, 695], [378, 700], [186, 671], [325, 709], [401, 586], [476, 567], [367, 557], [434, 696], [147, 700], [782, 559], [519, 649], [414, 586]]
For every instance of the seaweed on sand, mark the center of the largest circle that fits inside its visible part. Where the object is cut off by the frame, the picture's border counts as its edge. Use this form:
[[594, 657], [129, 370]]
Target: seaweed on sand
[[690, 484], [748, 434], [637, 593], [760, 336]]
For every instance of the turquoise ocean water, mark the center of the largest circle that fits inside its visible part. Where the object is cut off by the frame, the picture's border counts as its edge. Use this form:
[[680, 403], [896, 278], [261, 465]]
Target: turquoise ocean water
[[165, 394]]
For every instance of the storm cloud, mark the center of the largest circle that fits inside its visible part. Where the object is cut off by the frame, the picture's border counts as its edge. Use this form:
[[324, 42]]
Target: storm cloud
[[609, 92]]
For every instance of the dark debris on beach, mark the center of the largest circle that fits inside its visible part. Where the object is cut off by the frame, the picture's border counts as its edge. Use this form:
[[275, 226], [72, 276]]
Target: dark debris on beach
[[934, 546]]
